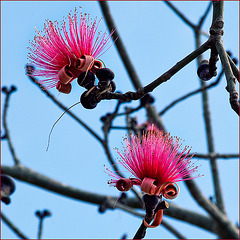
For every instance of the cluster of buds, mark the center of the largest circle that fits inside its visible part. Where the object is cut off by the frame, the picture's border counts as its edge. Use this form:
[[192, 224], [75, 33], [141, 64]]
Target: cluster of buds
[[90, 98], [43, 214]]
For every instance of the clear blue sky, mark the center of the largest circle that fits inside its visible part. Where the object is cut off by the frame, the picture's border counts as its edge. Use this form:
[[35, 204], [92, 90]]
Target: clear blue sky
[[155, 39]]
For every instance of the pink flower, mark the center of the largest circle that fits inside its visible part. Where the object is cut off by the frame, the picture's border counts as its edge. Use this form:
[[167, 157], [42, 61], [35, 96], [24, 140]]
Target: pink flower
[[61, 55], [156, 163]]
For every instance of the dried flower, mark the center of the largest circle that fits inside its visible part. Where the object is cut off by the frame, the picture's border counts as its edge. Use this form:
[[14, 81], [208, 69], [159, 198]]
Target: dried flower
[[61, 56], [156, 163]]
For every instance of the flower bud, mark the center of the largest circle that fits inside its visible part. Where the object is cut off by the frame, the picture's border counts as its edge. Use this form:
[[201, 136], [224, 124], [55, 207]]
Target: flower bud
[[105, 74], [203, 70], [86, 80], [7, 188], [124, 184], [88, 101]]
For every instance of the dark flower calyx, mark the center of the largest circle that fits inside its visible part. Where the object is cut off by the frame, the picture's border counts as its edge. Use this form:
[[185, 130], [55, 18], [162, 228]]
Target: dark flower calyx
[[105, 74], [86, 80]]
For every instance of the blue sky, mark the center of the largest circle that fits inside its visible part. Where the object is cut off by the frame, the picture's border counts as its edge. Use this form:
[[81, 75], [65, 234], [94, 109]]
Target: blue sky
[[155, 39]]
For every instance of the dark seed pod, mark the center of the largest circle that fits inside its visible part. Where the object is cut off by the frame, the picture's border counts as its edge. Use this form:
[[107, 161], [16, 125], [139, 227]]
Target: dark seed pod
[[46, 213], [7, 188], [38, 214], [13, 88], [86, 80], [4, 89], [147, 99], [229, 53], [235, 60], [103, 119], [203, 70], [102, 208], [105, 74], [88, 101]]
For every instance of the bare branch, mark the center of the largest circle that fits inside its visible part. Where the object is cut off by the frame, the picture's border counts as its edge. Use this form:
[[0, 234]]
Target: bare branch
[[209, 133], [191, 94], [5, 125], [173, 230], [151, 111], [13, 227], [30, 176], [225, 225], [203, 18], [180, 15], [60, 105], [235, 70], [216, 155], [163, 78], [231, 80]]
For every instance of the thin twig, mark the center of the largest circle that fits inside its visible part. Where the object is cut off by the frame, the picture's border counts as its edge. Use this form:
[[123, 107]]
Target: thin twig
[[231, 80], [13, 227], [106, 128], [173, 230], [121, 128], [40, 228], [185, 19], [225, 225], [209, 132], [5, 125], [60, 105], [130, 110], [177, 67], [119, 44], [163, 78], [216, 155], [235, 70], [203, 18], [151, 111], [191, 94], [179, 14]]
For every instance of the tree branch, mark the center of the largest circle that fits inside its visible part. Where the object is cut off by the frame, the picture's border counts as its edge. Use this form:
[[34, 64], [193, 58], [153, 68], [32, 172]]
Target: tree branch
[[30, 176], [151, 111], [8, 93], [191, 94], [203, 18], [226, 227], [179, 14], [235, 70], [60, 105], [13, 227], [216, 155], [209, 134]]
